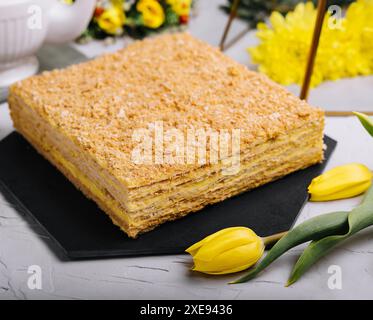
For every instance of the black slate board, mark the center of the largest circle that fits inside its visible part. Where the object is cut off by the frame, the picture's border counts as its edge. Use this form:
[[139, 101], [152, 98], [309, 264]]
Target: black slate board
[[82, 230]]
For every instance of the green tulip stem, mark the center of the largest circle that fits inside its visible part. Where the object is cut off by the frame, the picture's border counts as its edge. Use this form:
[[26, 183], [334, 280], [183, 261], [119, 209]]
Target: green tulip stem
[[312, 229], [273, 238], [359, 218]]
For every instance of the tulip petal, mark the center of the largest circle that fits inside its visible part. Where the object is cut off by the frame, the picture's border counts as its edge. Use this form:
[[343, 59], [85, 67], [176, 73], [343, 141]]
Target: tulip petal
[[340, 177], [225, 242], [195, 247], [233, 270], [234, 260], [341, 182], [228, 250], [343, 194]]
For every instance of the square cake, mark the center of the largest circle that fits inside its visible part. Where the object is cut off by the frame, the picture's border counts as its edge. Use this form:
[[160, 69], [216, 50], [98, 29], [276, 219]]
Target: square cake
[[142, 131]]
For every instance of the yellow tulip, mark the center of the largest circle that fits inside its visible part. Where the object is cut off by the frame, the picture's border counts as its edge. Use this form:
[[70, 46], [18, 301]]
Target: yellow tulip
[[112, 20], [227, 251], [342, 182], [152, 13]]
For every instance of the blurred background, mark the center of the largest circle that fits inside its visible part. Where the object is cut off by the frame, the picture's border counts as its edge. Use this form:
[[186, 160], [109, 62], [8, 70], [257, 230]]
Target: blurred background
[[272, 37]]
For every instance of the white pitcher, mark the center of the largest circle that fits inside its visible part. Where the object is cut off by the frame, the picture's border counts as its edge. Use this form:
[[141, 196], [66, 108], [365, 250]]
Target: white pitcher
[[26, 24]]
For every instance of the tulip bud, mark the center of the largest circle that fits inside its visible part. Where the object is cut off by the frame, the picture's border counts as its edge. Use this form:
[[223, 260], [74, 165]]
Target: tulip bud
[[227, 251], [341, 182]]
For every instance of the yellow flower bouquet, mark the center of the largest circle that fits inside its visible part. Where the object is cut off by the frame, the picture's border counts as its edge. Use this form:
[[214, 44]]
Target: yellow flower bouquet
[[345, 48], [136, 18]]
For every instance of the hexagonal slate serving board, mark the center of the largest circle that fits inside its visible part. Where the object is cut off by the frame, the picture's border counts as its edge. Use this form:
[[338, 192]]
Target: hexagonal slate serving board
[[81, 230]]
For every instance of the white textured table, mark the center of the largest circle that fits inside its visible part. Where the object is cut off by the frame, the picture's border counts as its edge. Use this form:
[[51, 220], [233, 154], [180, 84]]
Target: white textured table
[[23, 244]]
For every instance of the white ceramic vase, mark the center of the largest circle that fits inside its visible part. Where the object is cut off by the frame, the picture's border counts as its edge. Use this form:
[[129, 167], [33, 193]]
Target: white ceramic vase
[[26, 24]]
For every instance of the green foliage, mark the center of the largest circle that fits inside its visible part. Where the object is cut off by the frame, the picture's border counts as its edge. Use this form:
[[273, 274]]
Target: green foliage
[[172, 18], [358, 219], [254, 11]]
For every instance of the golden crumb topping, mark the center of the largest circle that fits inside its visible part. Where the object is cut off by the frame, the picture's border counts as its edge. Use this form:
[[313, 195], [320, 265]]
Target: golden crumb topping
[[176, 79]]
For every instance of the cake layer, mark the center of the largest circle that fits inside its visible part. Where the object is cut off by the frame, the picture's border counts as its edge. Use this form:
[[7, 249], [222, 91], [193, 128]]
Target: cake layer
[[272, 164], [83, 120], [147, 222], [204, 179], [175, 79]]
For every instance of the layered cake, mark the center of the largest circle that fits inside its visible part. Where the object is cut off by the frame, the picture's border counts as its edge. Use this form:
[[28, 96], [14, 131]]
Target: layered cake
[[129, 129]]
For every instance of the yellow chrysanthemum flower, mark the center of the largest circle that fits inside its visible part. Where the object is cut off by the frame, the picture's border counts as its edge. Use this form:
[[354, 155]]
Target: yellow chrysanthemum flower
[[345, 48], [180, 7], [152, 13], [359, 23], [112, 20]]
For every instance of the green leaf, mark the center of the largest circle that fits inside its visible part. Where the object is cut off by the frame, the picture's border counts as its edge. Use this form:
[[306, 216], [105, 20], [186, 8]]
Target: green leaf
[[171, 17], [366, 121], [358, 219], [312, 229]]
